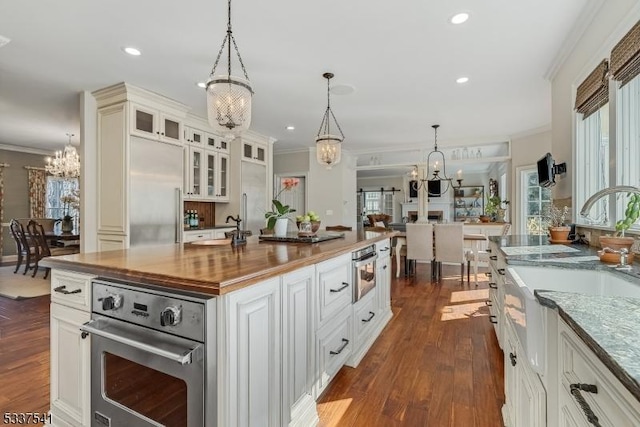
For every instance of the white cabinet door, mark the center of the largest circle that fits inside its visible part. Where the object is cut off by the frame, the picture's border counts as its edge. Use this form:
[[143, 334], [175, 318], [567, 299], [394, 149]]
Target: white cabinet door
[[254, 152], [194, 185], [70, 367], [214, 142], [383, 283], [298, 405], [216, 176], [253, 337], [152, 123]]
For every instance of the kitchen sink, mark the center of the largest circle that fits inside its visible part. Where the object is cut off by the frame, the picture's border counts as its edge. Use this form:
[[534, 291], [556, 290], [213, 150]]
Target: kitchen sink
[[528, 316]]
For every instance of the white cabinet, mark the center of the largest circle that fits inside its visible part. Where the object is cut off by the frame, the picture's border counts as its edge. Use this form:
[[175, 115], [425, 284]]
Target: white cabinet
[[204, 139], [253, 151], [497, 275], [525, 396], [70, 351], [298, 326], [207, 175], [252, 333], [602, 395], [333, 281], [334, 346], [383, 275], [195, 235], [154, 123]]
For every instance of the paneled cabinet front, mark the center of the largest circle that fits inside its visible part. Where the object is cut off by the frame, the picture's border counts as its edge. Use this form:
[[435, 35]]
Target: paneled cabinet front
[[254, 152], [207, 175], [253, 392], [153, 123]]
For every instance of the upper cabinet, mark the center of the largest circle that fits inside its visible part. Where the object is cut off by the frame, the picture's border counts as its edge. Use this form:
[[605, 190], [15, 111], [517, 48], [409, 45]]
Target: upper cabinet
[[254, 151], [149, 122]]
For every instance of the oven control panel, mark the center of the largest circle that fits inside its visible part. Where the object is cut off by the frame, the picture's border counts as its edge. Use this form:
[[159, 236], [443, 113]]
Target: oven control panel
[[177, 314]]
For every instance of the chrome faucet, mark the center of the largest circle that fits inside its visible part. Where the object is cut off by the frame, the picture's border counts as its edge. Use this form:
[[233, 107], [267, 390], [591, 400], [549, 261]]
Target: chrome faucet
[[607, 191]]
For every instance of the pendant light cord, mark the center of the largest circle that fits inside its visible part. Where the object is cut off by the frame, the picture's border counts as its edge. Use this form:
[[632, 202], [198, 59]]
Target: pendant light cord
[[229, 39], [326, 118]]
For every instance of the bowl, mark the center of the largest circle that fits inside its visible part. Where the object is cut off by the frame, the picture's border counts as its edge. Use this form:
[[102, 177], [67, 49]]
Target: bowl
[[484, 218]]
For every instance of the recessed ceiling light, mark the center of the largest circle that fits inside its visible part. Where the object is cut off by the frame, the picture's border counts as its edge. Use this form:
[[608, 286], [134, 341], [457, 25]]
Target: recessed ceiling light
[[462, 80], [343, 89], [459, 18], [291, 127], [132, 51], [201, 84], [4, 40]]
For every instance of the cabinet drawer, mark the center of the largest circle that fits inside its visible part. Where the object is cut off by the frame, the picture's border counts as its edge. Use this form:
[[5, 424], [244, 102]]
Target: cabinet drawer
[[383, 248], [71, 289], [334, 346], [364, 317], [193, 236], [334, 287], [612, 404]]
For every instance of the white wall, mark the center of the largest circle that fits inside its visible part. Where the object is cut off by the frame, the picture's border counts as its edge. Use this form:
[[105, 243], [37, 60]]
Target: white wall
[[332, 193], [613, 19], [291, 162]]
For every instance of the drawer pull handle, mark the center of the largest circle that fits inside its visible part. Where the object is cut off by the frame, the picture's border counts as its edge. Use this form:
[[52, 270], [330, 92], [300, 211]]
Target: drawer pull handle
[[575, 392], [384, 267], [488, 302], [345, 342], [514, 359], [340, 289], [501, 271], [493, 257], [489, 250], [372, 315], [488, 273], [493, 319], [62, 290], [493, 285], [384, 249]]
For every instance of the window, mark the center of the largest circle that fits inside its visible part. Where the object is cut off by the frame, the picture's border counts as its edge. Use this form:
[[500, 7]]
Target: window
[[378, 202], [592, 163], [536, 200], [628, 140], [56, 188]]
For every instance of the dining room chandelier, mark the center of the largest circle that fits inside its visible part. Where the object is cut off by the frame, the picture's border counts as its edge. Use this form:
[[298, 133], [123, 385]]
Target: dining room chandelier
[[328, 145], [228, 96], [439, 183], [66, 163]]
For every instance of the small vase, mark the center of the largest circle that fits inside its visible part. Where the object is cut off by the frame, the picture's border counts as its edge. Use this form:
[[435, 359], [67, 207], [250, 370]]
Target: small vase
[[67, 225], [500, 213], [280, 229]]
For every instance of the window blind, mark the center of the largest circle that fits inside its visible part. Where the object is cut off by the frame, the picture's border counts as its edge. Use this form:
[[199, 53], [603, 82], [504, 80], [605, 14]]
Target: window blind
[[593, 92], [625, 56]]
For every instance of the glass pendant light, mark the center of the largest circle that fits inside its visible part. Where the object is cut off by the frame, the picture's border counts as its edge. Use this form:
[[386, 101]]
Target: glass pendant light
[[328, 145]]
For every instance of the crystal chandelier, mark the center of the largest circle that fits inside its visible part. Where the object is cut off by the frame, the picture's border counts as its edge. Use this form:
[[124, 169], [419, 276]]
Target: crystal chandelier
[[433, 186], [66, 164], [229, 97], [328, 149]]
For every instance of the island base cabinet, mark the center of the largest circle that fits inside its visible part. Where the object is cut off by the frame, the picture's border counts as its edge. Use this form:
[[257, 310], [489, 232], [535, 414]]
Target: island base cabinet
[[334, 343], [249, 365], [610, 401], [70, 367]]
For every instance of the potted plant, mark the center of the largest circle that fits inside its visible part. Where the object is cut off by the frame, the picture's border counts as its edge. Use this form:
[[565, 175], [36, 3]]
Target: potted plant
[[68, 201], [631, 215], [494, 208], [556, 218], [277, 219]]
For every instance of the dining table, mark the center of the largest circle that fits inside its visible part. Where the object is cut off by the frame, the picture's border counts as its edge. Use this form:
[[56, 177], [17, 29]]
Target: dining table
[[475, 239], [62, 238]]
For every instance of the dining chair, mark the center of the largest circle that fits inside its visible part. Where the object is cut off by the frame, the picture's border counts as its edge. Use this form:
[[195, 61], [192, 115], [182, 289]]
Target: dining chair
[[25, 248], [450, 246], [481, 256], [37, 235], [419, 246]]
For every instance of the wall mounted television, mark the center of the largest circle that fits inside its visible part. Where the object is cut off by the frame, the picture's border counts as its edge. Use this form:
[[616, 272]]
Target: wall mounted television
[[413, 189], [547, 171], [434, 188]]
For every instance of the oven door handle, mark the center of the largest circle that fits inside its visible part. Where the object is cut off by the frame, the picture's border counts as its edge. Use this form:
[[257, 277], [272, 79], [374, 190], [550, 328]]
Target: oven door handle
[[184, 358], [369, 260]]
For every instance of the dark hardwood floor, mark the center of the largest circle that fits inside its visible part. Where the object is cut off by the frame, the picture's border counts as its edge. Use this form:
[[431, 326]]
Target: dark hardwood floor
[[437, 363]]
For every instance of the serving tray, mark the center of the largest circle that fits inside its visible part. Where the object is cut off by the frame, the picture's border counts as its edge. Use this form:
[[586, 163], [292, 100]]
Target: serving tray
[[294, 238]]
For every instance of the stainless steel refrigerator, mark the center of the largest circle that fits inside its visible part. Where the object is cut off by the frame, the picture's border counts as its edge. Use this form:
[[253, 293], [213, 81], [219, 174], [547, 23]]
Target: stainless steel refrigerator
[[155, 203]]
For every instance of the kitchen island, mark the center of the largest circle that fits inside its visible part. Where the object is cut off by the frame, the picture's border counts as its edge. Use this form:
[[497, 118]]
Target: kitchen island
[[566, 322], [285, 321]]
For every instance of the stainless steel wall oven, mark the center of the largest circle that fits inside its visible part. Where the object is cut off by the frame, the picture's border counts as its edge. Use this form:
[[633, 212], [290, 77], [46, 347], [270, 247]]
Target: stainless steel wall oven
[[364, 271], [153, 357]]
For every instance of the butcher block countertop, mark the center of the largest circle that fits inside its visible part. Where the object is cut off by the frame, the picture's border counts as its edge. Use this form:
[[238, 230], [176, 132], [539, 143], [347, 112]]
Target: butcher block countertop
[[214, 270]]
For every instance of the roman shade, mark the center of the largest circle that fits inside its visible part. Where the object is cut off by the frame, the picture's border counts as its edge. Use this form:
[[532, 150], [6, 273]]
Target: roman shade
[[625, 57], [593, 92]]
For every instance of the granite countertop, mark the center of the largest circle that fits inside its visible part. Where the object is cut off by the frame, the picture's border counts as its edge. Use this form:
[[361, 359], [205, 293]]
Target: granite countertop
[[607, 325], [213, 270], [210, 228]]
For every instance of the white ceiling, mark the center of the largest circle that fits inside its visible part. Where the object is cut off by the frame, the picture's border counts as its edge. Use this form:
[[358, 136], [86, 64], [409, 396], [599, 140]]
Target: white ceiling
[[401, 57]]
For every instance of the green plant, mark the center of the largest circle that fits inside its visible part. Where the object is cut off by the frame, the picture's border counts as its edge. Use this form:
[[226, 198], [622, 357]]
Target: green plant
[[630, 214], [555, 216], [493, 204], [280, 210]]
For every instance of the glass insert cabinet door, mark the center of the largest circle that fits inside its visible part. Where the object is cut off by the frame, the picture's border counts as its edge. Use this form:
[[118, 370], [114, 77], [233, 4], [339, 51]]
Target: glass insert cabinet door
[[536, 201], [196, 171], [211, 173], [222, 185]]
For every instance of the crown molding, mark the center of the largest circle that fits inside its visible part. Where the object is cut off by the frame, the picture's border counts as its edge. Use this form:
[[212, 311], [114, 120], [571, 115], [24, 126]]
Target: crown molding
[[27, 150]]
